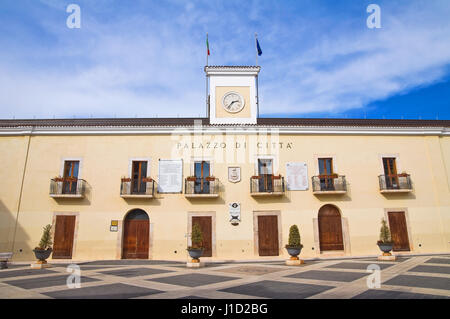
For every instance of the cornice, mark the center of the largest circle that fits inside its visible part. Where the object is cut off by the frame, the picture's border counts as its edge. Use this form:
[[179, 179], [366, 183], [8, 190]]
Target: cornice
[[223, 129]]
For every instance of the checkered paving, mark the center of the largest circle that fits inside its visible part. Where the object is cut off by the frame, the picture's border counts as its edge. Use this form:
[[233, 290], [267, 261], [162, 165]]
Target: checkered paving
[[329, 275], [415, 277]]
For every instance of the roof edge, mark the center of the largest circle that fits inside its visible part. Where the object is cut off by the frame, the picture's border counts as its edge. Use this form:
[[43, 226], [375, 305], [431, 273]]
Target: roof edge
[[191, 121]]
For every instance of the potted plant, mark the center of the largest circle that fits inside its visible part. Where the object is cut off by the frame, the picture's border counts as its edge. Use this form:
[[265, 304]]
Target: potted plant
[[57, 185], [196, 249], [385, 243], [294, 246], [43, 251], [58, 179]]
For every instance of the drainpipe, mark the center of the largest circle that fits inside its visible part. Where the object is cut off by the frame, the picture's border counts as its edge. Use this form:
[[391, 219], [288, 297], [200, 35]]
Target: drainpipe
[[21, 189]]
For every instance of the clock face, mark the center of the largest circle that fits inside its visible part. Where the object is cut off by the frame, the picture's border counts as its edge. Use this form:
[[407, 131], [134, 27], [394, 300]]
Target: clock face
[[233, 102]]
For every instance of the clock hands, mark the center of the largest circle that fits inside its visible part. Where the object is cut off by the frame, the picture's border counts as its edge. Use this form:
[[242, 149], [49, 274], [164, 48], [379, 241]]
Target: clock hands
[[233, 102]]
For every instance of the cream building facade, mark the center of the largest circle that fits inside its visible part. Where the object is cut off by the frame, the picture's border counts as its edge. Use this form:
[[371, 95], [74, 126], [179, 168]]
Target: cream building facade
[[132, 188]]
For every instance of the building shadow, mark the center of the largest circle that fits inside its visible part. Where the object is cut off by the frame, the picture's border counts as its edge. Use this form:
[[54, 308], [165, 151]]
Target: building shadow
[[205, 201], [397, 196], [84, 201], [268, 199], [22, 250], [154, 201]]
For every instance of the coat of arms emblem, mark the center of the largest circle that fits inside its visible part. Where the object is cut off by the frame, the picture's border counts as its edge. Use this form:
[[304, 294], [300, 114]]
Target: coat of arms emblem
[[234, 174]]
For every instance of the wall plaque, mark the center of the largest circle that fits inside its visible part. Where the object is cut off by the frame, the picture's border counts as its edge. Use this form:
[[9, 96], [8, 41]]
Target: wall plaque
[[170, 178], [114, 226], [234, 174], [235, 213], [297, 176]]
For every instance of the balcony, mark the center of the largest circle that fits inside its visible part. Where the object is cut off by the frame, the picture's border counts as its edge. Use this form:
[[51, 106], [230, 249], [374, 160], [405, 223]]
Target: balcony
[[329, 184], [266, 185], [67, 187], [395, 183], [197, 187], [134, 188]]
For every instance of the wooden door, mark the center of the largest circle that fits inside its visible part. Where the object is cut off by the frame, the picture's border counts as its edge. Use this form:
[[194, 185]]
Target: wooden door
[[330, 229], [63, 239], [136, 237], [399, 231], [390, 172], [139, 172], [71, 169], [268, 235], [205, 223], [201, 171], [265, 172], [325, 173]]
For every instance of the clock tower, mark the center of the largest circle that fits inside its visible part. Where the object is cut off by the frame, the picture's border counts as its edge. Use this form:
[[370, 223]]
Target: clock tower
[[232, 94]]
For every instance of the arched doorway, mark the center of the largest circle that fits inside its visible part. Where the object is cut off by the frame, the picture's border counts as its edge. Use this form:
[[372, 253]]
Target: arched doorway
[[330, 229], [136, 231]]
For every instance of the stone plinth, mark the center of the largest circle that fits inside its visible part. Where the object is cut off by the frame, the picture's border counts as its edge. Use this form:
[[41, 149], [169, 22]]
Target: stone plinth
[[40, 265], [195, 264], [294, 262], [387, 257]]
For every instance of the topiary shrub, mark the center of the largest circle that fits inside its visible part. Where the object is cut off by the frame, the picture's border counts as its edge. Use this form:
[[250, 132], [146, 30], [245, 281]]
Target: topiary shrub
[[294, 238], [385, 233], [196, 237], [46, 239]]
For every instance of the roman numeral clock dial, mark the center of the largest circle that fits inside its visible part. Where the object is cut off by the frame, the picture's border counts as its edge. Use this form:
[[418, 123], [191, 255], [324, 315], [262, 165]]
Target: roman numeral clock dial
[[233, 102]]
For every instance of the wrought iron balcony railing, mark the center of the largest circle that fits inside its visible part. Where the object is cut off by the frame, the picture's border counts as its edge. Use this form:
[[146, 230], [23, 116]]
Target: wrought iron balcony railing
[[201, 187], [67, 187], [395, 183], [267, 185], [140, 188], [329, 184]]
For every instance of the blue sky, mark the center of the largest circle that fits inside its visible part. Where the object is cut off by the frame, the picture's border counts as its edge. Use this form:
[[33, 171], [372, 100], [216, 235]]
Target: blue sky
[[146, 58]]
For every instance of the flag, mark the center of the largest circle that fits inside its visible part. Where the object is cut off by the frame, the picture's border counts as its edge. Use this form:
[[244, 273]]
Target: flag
[[258, 47], [207, 45]]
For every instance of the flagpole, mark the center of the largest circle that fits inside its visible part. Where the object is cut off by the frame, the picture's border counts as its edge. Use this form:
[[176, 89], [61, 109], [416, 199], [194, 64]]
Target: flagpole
[[256, 79], [207, 93], [256, 46]]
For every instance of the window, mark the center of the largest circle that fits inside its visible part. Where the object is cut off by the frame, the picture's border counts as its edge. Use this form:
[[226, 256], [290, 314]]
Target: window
[[138, 173], [326, 174], [390, 172], [70, 178], [201, 173], [265, 173]]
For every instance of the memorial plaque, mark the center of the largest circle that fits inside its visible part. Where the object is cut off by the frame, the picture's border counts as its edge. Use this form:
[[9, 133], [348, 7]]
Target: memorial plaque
[[170, 176], [297, 176]]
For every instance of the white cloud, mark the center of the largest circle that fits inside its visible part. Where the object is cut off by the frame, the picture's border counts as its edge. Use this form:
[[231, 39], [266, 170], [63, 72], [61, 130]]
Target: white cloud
[[145, 64], [411, 50]]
